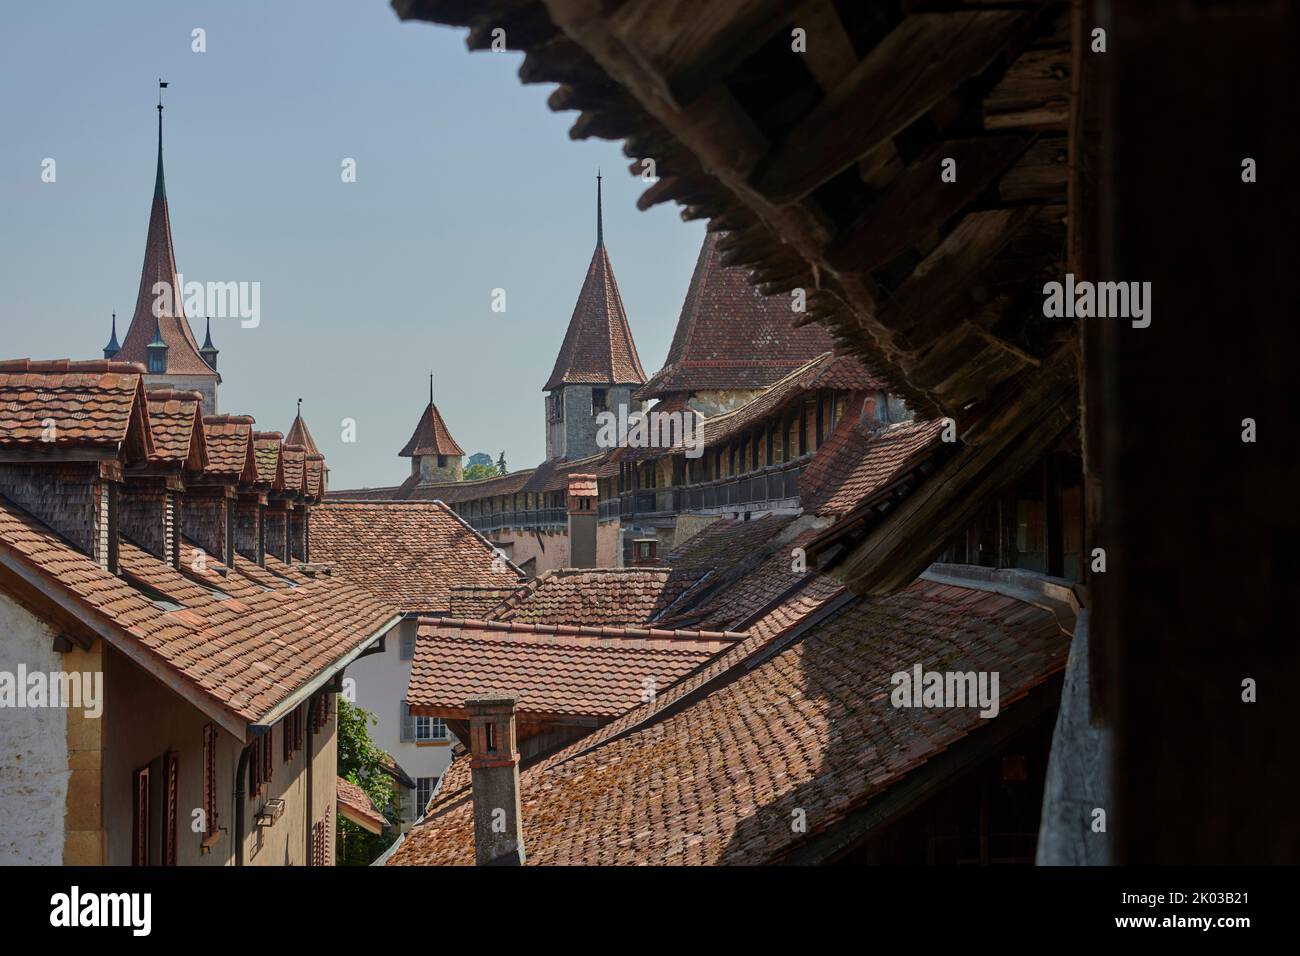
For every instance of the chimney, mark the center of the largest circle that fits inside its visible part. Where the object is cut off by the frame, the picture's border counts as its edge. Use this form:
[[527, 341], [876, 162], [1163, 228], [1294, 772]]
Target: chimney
[[584, 517], [494, 780]]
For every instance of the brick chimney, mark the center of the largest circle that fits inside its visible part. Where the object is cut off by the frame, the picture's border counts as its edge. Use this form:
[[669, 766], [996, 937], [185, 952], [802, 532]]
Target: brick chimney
[[584, 518], [494, 779]]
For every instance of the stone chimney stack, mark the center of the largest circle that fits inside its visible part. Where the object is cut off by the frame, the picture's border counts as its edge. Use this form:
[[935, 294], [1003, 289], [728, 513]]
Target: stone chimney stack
[[494, 778], [584, 518]]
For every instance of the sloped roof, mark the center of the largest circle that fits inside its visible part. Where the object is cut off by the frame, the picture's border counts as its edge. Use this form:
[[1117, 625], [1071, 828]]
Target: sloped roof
[[183, 356], [95, 405], [554, 672], [594, 597], [857, 461], [267, 455], [175, 421], [300, 434], [468, 601], [712, 774], [230, 446], [598, 347], [294, 461], [237, 657], [355, 804], [431, 436], [412, 553], [731, 336]]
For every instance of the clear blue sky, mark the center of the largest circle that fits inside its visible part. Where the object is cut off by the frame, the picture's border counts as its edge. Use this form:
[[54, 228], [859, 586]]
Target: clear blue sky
[[466, 182]]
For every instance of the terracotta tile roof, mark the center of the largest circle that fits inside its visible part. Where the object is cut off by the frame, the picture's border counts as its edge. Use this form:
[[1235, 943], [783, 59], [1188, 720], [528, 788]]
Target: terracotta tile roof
[[289, 571], [356, 805], [729, 336], [582, 486], [160, 266], [175, 420], [715, 779], [856, 462], [467, 601], [413, 489], [314, 476], [554, 475], [595, 597], [294, 461], [97, 405], [598, 346], [727, 541], [300, 434], [230, 447], [431, 436], [241, 656], [207, 569], [394, 770], [267, 458], [554, 672], [413, 553]]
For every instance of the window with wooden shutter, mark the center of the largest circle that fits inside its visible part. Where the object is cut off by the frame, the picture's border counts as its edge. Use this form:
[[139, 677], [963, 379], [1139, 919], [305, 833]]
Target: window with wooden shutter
[[140, 818], [171, 806], [268, 755], [408, 723], [209, 780]]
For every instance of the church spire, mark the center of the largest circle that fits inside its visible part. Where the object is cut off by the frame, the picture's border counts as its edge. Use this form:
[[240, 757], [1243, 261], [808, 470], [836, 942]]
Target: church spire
[[209, 351], [600, 219]]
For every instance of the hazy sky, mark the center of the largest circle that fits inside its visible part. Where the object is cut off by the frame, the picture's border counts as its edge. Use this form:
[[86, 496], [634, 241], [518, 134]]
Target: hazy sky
[[466, 182]]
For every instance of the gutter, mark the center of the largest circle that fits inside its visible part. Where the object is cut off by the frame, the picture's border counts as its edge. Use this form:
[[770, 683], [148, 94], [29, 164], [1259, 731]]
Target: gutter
[[304, 692]]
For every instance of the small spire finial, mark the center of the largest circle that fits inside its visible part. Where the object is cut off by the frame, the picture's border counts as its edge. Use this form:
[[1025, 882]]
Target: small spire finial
[[159, 188], [430, 388], [300, 408], [600, 219]]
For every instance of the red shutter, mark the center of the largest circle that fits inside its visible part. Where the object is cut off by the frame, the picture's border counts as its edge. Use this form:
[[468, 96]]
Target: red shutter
[[210, 779], [140, 818], [171, 807]]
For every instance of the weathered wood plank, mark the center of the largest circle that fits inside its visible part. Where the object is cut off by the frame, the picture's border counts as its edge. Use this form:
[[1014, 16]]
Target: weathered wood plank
[[910, 71], [919, 201], [1034, 93]]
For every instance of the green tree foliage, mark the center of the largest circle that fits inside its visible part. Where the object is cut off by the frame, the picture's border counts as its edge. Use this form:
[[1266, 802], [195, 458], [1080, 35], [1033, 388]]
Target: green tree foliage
[[362, 762], [475, 472], [501, 465]]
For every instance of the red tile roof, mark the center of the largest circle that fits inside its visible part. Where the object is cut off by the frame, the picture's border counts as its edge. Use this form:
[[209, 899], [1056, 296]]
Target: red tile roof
[[727, 541], [230, 447], [175, 420], [267, 456], [97, 406], [729, 336], [160, 266], [715, 778], [467, 601], [594, 597], [356, 805], [238, 658], [412, 553], [431, 436], [856, 462], [294, 461], [314, 476], [300, 434], [553, 672], [598, 347]]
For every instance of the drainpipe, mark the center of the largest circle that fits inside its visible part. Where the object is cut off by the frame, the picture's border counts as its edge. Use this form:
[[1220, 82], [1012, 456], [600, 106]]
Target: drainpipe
[[240, 771]]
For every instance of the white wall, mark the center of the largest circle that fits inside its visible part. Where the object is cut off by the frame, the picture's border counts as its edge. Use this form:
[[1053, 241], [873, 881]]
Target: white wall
[[380, 689], [33, 749]]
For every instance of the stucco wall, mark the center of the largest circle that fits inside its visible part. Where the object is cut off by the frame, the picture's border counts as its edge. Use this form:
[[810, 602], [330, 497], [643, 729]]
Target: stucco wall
[[33, 749], [551, 548], [380, 688], [145, 720]]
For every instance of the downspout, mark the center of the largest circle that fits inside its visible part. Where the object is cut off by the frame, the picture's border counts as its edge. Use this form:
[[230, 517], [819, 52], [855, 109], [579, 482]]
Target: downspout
[[240, 771]]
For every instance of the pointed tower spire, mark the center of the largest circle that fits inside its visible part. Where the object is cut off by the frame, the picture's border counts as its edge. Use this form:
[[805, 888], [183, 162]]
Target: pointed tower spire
[[159, 315], [159, 186], [299, 434], [209, 351], [112, 348], [600, 219]]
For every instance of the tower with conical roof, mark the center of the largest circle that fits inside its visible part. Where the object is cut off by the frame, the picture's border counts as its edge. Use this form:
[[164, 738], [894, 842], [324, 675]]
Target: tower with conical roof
[[598, 367], [434, 454], [164, 343]]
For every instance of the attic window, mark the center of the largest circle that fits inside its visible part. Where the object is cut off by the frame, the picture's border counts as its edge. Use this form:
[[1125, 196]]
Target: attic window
[[442, 461], [599, 400]]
